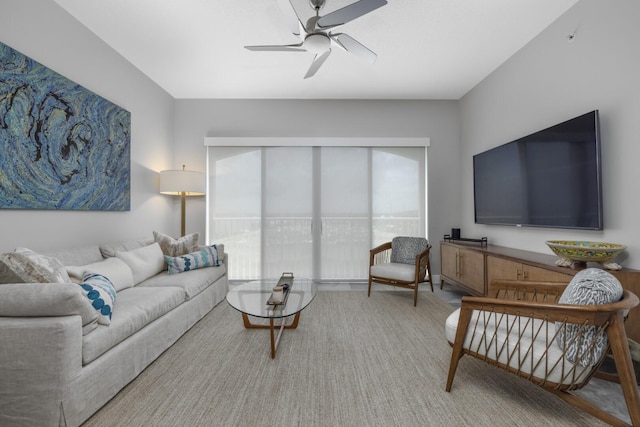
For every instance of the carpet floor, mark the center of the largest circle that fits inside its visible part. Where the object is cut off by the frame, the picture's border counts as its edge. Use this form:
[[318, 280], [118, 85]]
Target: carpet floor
[[353, 361]]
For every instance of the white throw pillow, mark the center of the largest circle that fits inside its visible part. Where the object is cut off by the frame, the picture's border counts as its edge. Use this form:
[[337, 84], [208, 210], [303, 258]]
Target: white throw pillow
[[115, 269], [33, 267], [144, 262]]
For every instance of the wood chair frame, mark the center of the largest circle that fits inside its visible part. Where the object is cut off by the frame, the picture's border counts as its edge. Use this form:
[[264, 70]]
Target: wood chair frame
[[538, 300], [382, 254]]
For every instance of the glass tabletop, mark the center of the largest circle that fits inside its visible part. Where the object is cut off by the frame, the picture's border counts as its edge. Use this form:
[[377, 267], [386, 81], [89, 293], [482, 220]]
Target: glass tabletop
[[251, 298]]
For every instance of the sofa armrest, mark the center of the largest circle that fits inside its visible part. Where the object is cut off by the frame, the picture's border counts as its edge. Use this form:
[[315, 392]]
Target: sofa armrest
[[47, 299], [39, 356], [224, 259]]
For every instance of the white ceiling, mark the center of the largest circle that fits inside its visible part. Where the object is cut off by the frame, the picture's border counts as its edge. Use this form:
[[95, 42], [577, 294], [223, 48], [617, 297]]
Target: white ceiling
[[427, 49]]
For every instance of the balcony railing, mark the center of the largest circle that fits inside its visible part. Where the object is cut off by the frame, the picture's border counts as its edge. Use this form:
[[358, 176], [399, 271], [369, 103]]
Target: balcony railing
[[288, 246]]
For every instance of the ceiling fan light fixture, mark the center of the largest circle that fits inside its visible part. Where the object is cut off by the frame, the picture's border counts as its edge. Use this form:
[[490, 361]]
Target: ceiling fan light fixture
[[316, 36], [317, 4], [317, 43]]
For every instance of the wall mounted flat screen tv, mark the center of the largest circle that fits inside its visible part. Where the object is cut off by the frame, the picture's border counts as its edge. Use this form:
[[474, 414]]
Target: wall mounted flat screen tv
[[551, 178]]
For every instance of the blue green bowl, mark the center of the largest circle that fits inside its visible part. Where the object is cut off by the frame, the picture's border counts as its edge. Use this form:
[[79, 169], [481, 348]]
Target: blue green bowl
[[581, 251]]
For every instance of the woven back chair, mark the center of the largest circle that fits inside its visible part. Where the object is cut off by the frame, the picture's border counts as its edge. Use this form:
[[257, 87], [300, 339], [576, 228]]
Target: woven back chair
[[403, 262], [525, 331]]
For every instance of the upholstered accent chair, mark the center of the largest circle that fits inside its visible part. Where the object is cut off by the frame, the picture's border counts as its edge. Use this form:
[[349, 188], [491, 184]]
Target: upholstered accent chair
[[402, 262], [552, 334]]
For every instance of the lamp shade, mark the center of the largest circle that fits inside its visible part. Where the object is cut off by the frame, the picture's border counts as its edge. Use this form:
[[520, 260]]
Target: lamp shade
[[176, 182]]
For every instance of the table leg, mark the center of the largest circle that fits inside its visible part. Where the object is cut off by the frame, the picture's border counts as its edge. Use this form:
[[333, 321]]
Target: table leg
[[275, 340]]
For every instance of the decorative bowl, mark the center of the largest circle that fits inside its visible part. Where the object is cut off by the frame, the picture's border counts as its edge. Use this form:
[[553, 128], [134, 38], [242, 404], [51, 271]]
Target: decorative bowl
[[574, 251]]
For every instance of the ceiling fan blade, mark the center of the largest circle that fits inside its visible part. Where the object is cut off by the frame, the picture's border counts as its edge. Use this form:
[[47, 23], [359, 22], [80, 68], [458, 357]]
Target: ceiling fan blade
[[293, 21], [349, 13], [351, 45], [278, 48], [311, 24], [317, 63]]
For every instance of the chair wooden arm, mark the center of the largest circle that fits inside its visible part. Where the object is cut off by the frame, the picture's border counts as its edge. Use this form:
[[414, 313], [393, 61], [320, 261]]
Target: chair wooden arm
[[604, 319], [422, 263], [423, 256], [505, 289], [382, 247], [535, 291], [377, 250], [551, 311]]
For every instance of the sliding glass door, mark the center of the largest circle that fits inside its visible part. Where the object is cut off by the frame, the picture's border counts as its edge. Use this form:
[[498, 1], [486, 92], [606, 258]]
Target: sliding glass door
[[234, 209], [344, 209], [313, 211], [398, 193], [287, 211]]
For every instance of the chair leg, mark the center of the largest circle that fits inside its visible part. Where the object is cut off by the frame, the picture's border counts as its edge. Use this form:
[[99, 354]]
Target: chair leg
[[415, 295], [369, 291], [624, 366], [453, 366], [457, 352], [430, 276]]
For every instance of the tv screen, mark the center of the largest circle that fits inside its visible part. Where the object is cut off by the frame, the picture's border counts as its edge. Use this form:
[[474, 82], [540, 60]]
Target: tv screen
[[551, 178]]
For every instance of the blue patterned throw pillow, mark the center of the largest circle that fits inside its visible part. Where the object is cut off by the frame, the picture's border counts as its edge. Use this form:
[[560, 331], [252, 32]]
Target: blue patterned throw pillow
[[101, 294], [591, 286], [205, 257]]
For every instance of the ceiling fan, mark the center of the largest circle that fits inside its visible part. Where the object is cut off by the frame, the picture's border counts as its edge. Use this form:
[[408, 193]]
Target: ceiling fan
[[316, 36]]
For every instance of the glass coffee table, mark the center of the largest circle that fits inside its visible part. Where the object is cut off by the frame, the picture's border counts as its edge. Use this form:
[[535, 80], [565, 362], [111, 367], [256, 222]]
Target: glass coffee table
[[251, 298]]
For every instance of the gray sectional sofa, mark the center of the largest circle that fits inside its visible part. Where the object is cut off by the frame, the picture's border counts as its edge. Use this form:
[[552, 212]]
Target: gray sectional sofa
[[60, 362]]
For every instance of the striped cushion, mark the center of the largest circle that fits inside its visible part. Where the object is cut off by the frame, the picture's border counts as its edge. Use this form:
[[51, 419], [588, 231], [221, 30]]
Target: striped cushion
[[176, 247], [206, 257]]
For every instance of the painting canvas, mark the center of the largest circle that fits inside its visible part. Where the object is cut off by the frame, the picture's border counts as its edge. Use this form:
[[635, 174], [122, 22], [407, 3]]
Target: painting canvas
[[61, 145]]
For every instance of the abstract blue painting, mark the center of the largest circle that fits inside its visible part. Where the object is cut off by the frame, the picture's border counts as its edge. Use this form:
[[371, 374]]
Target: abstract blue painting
[[61, 145]]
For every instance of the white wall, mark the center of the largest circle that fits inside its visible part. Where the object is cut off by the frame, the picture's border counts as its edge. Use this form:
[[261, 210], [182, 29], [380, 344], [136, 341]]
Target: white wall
[[548, 81], [551, 80], [438, 120], [46, 33]]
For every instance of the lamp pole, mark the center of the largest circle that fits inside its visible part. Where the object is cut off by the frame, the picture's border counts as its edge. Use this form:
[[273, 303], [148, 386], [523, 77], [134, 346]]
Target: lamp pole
[[183, 204]]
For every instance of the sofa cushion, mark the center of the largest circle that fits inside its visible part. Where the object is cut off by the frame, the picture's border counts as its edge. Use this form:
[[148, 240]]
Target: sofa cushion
[[101, 293], [206, 257], [592, 286], [136, 308], [176, 247], [144, 262], [116, 270], [80, 255], [46, 300], [109, 249], [192, 282], [32, 267]]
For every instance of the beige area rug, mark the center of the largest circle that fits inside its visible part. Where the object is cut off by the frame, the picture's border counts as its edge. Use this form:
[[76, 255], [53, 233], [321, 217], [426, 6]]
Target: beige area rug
[[353, 361]]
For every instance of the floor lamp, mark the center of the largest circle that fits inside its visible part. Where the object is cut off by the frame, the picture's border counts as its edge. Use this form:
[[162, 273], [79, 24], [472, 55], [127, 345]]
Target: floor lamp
[[182, 183]]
